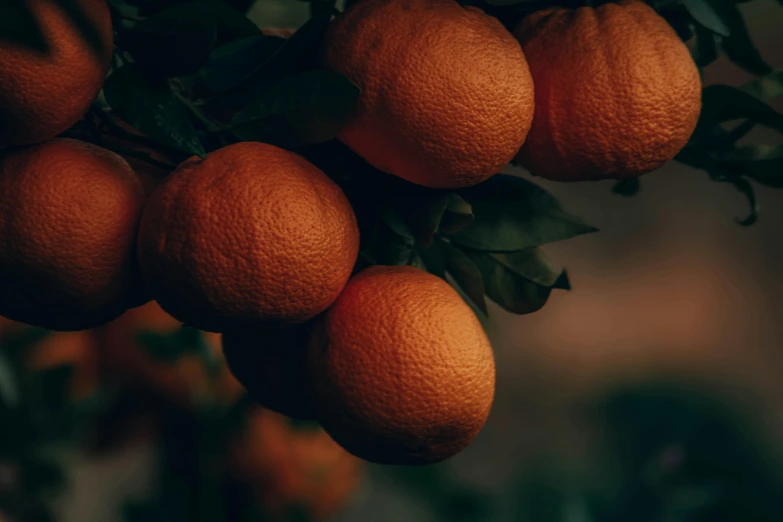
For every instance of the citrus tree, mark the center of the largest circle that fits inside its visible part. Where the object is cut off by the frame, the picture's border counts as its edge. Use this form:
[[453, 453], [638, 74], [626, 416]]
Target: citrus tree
[[340, 200]]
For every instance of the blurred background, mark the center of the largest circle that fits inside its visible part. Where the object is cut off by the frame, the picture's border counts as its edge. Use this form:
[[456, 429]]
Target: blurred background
[[652, 391]]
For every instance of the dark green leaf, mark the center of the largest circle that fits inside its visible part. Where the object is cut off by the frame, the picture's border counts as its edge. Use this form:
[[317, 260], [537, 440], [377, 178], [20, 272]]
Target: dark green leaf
[[627, 187], [531, 264], [175, 42], [318, 103], [148, 105], [721, 103], [385, 246], [513, 214], [562, 282], [738, 46], [465, 273], [433, 260], [458, 215], [507, 288], [305, 91], [232, 63], [705, 13], [762, 163], [766, 88], [298, 54], [706, 50], [9, 391], [746, 189], [18, 26], [54, 386], [42, 474], [169, 347], [428, 211], [231, 24]]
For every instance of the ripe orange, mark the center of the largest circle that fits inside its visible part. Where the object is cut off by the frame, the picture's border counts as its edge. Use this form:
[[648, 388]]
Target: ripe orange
[[126, 360], [252, 234], [446, 95], [403, 371], [69, 212], [43, 94], [271, 363], [284, 467], [617, 93]]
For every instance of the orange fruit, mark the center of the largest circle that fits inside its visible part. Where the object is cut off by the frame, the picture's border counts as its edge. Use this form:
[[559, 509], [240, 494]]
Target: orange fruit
[[446, 95], [252, 234], [125, 358], [402, 370], [271, 363], [69, 213], [43, 94], [617, 93], [284, 467]]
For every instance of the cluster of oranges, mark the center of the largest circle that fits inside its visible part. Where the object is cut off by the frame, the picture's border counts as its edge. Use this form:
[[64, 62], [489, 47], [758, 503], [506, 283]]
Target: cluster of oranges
[[255, 243]]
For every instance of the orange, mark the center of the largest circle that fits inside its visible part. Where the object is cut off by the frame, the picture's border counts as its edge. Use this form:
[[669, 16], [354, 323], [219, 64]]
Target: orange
[[271, 363], [284, 467], [446, 95], [43, 94], [125, 359], [402, 370], [252, 234], [69, 213], [617, 93]]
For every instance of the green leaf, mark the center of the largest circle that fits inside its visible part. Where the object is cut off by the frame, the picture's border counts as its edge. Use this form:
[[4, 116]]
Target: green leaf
[[428, 211], [562, 282], [433, 260], [169, 347], [721, 103], [766, 88], [704, 12], [706, 50], [232, 63], [231, 24], [506, 287], [457, 215], [762, 163], [627, 187], [175, 42], [317, 104], [531, 264], [9, 391], [18, 26], [738, 46], [42, 474], [298, 54], [465, 273], [53, 384], [513, 214], [148, 104]]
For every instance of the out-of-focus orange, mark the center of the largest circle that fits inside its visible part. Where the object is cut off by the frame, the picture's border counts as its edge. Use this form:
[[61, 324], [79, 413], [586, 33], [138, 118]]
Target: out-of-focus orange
[[126, 360], [284, 466], [77, 349]]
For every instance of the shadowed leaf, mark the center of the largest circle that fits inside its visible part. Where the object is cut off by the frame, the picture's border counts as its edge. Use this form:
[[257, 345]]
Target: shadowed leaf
[[148, 105], [465, 273], [513, 214]]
